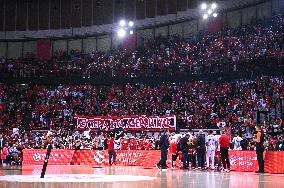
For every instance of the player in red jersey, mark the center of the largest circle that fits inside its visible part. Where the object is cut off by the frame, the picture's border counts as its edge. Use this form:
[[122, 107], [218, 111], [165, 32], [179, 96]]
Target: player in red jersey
[[111, 151], [174, 152], [218, 154]]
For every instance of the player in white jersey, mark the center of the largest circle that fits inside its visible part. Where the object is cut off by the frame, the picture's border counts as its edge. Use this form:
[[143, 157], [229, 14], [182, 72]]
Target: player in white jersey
[[211, 144], [236, 141]]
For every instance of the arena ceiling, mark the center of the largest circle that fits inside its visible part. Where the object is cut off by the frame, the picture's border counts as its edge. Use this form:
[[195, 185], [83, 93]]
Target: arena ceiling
[[48, 17]]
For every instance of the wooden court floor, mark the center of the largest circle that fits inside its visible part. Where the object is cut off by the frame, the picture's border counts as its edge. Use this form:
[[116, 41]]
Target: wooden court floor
[[131, 177]]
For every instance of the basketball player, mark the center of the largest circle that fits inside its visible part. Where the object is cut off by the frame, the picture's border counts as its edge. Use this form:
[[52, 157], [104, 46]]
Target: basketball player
[[173, 150], [218, 153], [111, 151], [211, 147], [236, 141]]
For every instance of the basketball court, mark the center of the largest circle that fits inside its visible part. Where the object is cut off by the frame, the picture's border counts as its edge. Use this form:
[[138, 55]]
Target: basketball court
[[130, 177]]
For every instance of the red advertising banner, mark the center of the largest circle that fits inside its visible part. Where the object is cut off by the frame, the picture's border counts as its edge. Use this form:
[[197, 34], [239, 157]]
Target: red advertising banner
[[153, 123], [100, 157], [241, 161], [57, 157]]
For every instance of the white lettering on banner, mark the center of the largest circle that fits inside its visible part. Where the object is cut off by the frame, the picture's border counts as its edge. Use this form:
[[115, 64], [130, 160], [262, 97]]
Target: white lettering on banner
[[36, 157], [127, 123], [54, 157], [99, 157], [242, 161]]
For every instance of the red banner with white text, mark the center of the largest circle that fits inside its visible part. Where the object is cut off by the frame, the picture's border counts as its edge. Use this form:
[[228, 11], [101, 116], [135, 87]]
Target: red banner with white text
[[241, 161], [128, 123]]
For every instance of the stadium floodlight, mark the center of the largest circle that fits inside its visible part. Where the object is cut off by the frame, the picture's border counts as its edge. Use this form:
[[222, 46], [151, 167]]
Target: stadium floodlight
[[205, 16], [131, 32], [130, 23], [121, 33], [215, 15], [209, 12], [203, 6], [122, 23], [214, 6]]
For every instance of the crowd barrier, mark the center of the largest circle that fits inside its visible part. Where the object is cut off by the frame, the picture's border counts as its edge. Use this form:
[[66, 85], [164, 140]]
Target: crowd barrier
[[242, 161]]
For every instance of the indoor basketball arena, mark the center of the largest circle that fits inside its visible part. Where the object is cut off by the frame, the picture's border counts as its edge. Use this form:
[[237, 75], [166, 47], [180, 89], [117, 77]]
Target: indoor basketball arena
[[141, 93]]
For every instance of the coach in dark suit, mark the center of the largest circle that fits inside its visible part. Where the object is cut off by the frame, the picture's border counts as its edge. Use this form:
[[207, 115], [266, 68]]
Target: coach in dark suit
[[164, 145], [201, 149]]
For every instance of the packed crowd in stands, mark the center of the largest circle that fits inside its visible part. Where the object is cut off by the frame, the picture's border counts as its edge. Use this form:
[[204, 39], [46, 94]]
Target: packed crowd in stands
[[30, 114], [221, 52]]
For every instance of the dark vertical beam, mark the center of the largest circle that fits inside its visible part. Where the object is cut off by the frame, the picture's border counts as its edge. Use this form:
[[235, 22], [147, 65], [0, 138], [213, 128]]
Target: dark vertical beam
[[44, 14], [162, 7], [2, 13], [192, 4], [87, 12], [140, 9], [172, 4], [76, 13], [118, 10], [98, 12], [65, 14], [21, 22], [33, 15], [150, 8], [129, 7], [181, 5], [108, 11], [55, 14], [10, 13]]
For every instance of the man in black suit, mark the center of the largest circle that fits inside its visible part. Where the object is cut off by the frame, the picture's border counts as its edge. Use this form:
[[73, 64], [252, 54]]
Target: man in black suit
[[201, 150], [164, 145]]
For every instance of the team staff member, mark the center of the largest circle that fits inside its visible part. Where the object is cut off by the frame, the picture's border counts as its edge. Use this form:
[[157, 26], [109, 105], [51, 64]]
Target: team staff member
[[164, 145], [259, 149], [111, 151], [201, 150], [184, 144], [224, 142]]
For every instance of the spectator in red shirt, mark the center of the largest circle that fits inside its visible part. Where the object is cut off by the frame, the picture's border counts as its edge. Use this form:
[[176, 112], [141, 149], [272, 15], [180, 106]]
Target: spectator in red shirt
[[149, 145], [111, 151], [224, 142], [125, 143], [142, 144], [133, 144]]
